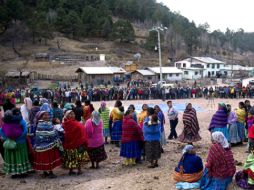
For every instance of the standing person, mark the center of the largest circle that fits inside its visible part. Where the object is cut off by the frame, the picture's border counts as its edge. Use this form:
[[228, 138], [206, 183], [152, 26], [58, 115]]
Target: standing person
[[87, 110], [220, 120], [241, 118], [46, 107], [95, 144], [191, 126], [75, 141], [220, 167], [152, 133], [46, 146], [57, 112], [16, 160], [25, 110], [78, 110], [173, 120], [131, 135], [232, 127], [142, 115], [116, 117], [161, 117], [104, 113], [34, 110], [132, 110]]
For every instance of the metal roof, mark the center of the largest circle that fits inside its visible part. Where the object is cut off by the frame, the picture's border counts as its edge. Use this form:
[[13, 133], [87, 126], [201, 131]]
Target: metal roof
[[101, 70], [17, 74], [193, 68], [165, 70], [208, 60], [145, 72]]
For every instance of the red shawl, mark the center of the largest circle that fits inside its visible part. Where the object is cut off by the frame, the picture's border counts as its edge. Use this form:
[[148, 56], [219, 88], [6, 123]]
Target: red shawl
[[220, 162], [190, 121], [74, 134], [130, 130]]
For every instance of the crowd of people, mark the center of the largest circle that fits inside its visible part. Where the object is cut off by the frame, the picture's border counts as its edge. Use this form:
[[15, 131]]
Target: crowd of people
[[40, 136]]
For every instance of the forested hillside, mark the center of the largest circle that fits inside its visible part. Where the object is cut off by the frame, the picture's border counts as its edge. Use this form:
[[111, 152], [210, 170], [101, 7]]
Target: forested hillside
[[38, 21]]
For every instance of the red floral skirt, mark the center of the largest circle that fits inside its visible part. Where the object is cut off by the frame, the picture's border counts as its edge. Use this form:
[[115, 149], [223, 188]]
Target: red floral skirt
[[47, 160]]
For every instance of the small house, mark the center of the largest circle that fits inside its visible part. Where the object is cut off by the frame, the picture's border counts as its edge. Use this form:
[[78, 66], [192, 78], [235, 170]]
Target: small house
[[143, 75], [18, 77], [168, 73], [131, 66]]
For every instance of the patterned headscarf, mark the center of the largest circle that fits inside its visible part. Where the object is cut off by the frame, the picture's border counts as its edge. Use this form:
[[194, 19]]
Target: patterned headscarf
[[96, 118], [38, 116], [45, 107], [220, 138]]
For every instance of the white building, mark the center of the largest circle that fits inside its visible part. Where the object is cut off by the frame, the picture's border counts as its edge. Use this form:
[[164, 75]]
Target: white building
[[231, 70], [168, 73], [211, 66], [192, 73]]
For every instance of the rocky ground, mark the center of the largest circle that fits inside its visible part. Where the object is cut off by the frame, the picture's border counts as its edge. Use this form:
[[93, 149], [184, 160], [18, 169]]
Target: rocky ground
[[113, 175]]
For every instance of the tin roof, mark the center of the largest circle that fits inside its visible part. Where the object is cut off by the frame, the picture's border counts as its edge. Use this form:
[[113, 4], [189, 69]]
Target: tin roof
[[165, 70], [101, 70], [145, 72]]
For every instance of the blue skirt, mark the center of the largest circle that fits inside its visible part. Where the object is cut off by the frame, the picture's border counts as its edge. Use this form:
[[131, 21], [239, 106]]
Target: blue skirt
[[211, 183], [130, 150], [233, 134], [106, 132], [224, 130], [241, 130], [116, 131]]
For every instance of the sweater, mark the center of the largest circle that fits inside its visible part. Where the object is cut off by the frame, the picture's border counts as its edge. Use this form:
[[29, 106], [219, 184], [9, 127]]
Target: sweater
[[152, 132], [105, 117], [94, 134], [131, 132]]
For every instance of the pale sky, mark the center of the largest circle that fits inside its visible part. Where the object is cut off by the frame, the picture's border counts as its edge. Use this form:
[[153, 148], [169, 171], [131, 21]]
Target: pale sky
[[219, 14]]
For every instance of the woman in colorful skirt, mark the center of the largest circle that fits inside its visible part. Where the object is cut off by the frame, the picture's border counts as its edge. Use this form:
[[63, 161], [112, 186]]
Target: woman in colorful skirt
[[191, 126], [220, 120], [152, 136], [75, 142], [116, 117], [131, 135], [16, 160], [220, 165], [245, 178], [189, 170], [95, 144], [234, 138], [161, 117], [46, 146], [241, 117], [104, 113]]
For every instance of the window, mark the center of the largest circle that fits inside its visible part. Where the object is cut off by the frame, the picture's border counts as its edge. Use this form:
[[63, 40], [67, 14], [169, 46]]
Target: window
[[170, 75], [196, 72], [164, 76], [149, 78], [93, 76], [177, 74], [186, 72], [184, 64], [212, 73], [218, 66], [213, 66], [208, 65]]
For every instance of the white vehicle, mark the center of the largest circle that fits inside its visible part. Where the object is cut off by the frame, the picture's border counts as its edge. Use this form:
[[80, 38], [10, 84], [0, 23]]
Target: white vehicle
[[163, 84]]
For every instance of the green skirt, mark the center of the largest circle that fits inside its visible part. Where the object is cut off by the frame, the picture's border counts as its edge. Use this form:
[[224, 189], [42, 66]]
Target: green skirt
[[16, 161]]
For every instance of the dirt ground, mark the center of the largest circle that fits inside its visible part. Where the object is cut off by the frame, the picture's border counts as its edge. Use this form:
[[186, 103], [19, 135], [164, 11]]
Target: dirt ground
[[113, 175]]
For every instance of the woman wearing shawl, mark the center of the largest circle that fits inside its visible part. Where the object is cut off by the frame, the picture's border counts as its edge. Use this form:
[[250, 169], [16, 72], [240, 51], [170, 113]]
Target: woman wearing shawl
[[75, 141], [161, 117], [57, 112], [142, 115], [46, 107], [241, 118], [95, 142], [78, 110], [245, 178], [232, 127], [104, 113], [131, 135], [25, 110], [87, 110], [131, 108], [16, 161], [34, 110], [220, 167], [189, 169], [220, 120], [116, 117], [191, 126], [152, 136], [46, 146]]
